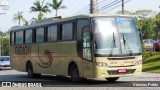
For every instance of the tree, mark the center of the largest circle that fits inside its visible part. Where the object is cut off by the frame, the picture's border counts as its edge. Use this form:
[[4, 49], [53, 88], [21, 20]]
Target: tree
[[5, 46], [40, 7], [33, 20], [157, 26], [142, 13], [145, 24], [18, 17], [148, 28], [57, 5], [125, 12], [26, 23], [4, 43]]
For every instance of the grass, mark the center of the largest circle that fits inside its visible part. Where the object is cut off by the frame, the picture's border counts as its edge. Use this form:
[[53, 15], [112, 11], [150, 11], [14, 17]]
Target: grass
[[152, 64]]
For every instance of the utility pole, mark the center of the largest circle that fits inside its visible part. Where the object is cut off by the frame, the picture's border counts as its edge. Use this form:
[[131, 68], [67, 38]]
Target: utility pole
[[122, 7], [93, 7]]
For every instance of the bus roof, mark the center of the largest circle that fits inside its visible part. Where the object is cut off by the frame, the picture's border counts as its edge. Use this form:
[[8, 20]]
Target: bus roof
[[52, 20]]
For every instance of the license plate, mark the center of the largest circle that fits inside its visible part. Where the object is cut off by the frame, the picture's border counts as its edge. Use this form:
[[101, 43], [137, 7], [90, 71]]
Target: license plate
[[122, 70]]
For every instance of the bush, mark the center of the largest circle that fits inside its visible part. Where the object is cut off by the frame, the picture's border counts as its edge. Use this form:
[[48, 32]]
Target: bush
[[143, 49], [147, 54]]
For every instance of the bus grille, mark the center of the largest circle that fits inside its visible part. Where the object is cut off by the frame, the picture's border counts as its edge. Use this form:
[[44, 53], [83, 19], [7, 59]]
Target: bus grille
[[115, 72], [122, 58]]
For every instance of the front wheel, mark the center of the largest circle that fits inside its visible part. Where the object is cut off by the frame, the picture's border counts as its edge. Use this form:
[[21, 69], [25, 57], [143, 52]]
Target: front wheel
[[74, 73], [112, 79]]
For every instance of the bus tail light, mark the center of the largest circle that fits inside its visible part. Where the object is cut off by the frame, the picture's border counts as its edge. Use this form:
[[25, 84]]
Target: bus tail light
[[102, 64]]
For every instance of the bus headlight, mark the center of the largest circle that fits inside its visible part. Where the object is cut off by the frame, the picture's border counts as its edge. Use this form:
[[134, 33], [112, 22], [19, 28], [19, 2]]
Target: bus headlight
[[138, 63], [102, 64]]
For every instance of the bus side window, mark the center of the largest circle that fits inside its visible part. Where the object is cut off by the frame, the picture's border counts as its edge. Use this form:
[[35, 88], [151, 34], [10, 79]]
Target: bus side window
[[60, 32], [67, 31], [52, 33], [80, 24], [74, 31], [28, 36], [45, 33], [12, 38], [34, 35], [40, 35], [19, 37], [24, 38]]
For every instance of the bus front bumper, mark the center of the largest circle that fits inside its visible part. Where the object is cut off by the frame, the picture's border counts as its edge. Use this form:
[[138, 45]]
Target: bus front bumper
[[108, 72]]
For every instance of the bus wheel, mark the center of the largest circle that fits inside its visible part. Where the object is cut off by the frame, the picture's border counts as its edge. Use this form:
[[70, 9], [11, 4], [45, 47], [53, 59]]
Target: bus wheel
[[30, 71], [74, 73], [112, 79]]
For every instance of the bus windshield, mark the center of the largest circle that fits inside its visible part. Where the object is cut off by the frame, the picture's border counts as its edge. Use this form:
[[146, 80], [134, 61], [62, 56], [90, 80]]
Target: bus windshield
[[116, 36]]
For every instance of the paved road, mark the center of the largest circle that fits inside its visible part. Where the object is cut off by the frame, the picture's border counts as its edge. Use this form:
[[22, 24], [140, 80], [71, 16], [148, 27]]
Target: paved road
[[59, 82]]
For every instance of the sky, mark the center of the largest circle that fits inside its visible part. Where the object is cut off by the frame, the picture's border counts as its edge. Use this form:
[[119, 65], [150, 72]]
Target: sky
[[72, 7]]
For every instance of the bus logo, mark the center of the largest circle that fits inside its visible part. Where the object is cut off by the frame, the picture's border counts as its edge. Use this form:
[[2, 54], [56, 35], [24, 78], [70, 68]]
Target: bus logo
[[48, 62]]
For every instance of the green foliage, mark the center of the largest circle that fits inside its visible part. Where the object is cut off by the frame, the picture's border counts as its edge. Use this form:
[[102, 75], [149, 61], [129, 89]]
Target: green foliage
[[40, 7], [40, 16], [57, 5], [4, 43], [148, 28], [152, 64], [146, 25], [143, 49], [142, 13], [157, 26], [18, 17], [5, 47], [125, 12], [148, 54]]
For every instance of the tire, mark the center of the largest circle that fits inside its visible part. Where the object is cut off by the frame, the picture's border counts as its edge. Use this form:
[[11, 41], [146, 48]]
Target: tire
[[112, 79], [74, 73], [30, 72]]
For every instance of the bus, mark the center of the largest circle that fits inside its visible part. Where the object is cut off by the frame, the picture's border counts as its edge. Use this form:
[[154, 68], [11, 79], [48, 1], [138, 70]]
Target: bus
[[79, 47]]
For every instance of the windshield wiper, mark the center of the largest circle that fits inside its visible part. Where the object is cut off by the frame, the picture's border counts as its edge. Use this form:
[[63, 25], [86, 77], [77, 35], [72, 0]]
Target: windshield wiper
[[126, 43], [113, 45]]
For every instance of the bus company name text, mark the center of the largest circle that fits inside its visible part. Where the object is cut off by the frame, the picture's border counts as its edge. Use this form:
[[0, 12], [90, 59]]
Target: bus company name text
[[23, 50]]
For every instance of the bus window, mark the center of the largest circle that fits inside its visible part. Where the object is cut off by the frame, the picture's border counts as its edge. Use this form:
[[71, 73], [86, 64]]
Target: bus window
[[67, 31], [40, 35], [86, 46], [80, 25], [19, 37], [12, 37], [52, 33], [28, 36]]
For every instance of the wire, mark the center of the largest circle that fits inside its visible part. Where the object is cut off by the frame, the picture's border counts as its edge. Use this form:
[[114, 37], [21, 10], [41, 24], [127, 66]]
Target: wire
[[110, 5], [115, 6], [102, 6]]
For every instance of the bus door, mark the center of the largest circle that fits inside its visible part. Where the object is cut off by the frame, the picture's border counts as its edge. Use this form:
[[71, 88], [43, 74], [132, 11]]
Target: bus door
[[87, 53]]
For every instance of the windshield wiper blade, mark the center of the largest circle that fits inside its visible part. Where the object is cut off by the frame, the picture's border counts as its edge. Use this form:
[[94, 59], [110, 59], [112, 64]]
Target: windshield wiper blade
[[113, 45], [126, 43]]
